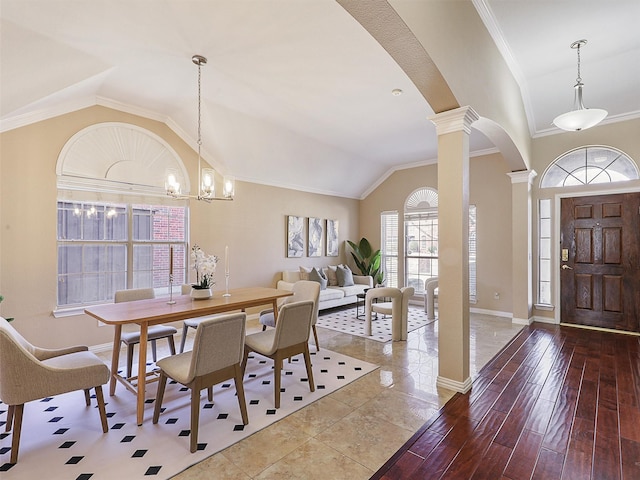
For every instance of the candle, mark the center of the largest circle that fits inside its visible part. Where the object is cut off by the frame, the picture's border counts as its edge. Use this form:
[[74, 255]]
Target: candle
[[170, 260], [226, 260]]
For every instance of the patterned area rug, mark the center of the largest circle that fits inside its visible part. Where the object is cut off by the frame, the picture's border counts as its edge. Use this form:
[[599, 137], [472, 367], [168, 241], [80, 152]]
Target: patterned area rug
[[346, 321], [62, 438]]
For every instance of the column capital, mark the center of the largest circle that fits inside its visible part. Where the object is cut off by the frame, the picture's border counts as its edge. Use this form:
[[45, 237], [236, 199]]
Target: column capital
[[456, 120], [523, 176]]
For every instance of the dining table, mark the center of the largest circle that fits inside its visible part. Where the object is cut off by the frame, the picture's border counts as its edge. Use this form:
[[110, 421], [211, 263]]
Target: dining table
[[146, 313]]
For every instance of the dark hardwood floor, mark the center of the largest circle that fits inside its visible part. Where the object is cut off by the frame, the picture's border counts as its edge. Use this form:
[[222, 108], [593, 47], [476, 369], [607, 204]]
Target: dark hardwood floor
[[556, 403]]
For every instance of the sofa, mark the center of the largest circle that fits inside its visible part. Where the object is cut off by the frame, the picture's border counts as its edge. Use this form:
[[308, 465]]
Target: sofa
[[333, 295]]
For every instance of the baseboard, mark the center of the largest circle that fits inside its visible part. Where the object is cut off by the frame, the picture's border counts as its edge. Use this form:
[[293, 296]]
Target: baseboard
[[539, 319], [522, 321], [456, 386], [495, 313]]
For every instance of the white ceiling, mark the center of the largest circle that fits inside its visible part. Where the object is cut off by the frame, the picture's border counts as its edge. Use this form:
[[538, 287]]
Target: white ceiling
[[295, 93]]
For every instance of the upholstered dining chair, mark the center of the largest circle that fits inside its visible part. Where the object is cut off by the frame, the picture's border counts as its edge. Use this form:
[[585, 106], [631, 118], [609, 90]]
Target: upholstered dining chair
[[190, 322], [289, 338], [29, 373], [216, 357], [302, 290], [398, 308], [155, 332]]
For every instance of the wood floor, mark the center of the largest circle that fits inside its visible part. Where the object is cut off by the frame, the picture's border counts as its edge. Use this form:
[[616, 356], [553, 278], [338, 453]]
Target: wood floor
[[556, 403]]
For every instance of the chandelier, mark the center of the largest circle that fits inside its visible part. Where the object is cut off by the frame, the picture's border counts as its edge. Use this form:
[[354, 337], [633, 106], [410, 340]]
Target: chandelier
[[580, 118], [206, 176]]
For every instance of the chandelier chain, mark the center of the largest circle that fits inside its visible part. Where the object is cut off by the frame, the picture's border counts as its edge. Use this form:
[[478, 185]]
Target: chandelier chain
[[579, 79]]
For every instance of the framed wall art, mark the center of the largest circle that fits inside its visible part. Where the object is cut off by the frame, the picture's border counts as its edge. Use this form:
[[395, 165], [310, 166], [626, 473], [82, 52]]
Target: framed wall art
[[316, 236], [295, 236], [332, 238]]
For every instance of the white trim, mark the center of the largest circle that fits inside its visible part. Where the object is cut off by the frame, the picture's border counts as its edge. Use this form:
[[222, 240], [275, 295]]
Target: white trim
[[544, 307], [522, 321], [523, 176], [495, 313], [456, 120], [550, 321], [456, 386]]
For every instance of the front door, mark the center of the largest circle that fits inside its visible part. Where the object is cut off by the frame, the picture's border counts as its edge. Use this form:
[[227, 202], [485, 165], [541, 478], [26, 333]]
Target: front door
[[599, 250]]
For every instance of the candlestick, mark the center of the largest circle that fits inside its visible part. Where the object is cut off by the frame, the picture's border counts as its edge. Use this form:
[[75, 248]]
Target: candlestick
[[170, 260], [226, 260]]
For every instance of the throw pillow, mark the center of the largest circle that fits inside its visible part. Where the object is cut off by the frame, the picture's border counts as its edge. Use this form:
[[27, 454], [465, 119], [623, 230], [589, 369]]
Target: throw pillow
[[304, 273], [330, 272], [317, 276], [345, 276]]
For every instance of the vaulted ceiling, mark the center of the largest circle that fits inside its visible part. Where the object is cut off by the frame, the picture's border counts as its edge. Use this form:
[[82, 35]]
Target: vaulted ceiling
[[296, 93]]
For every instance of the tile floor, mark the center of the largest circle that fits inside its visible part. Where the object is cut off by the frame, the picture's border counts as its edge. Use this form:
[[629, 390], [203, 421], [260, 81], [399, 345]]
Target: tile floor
[[351, 433]]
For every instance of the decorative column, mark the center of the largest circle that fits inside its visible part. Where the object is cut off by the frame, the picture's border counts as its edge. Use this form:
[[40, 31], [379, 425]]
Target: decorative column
[[521, 251], [453, 128]]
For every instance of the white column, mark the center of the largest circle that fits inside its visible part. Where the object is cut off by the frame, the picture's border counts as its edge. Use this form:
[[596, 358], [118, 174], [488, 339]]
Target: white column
[[453, 128], [521, 251]]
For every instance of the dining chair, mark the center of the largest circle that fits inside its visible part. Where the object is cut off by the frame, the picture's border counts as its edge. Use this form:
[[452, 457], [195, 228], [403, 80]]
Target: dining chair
[[398, 308], [430, 287], [216, 357], [30, 373], [190, 322], [155, 332], [290, 337], [302, 290]]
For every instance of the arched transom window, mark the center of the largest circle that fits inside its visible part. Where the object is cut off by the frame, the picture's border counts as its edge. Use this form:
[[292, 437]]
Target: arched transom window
[[589, 165]]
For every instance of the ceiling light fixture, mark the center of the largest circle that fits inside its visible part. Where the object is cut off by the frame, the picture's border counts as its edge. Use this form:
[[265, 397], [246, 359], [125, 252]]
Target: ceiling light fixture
[[580, 118], [206, 176]]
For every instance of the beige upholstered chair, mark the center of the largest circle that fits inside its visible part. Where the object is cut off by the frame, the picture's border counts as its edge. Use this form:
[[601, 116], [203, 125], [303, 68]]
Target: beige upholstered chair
[[29, 373], [430, 286], [398, 308], [302, 290], [190, 322], [289, 338], [216, 357], [155, 332]]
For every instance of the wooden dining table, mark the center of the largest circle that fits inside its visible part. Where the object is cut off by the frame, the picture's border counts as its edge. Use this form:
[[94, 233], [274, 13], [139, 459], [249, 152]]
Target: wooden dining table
[[146, 313]]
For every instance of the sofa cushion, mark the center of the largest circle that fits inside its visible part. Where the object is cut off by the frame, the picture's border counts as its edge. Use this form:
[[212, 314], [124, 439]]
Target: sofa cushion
[[317, 276], [330, 272], [353, 290], [304, 273], [331, 293], [345, 276]]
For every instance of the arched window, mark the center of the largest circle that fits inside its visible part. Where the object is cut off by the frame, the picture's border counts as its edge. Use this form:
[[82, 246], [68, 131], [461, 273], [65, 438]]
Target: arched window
[[589, 165]]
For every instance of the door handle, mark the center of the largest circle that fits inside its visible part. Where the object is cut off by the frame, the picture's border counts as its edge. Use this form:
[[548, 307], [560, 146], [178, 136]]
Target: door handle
[[566, 267]]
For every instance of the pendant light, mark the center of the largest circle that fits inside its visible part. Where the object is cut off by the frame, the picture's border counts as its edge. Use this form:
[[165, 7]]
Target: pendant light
[[206, 176], [580, 118]]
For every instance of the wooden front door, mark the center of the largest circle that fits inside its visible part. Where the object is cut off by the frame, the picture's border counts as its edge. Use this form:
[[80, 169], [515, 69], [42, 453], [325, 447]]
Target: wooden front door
[[600, 265]]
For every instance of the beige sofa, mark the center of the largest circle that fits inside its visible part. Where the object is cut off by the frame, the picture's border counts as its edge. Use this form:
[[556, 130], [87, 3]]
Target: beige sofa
[[332, 296]]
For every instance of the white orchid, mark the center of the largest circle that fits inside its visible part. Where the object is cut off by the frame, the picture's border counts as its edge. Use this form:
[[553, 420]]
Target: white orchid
[[205, 267]]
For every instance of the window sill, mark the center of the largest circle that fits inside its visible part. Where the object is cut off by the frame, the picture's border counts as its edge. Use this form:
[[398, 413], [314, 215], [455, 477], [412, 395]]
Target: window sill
[[544, 307], [68, 312]]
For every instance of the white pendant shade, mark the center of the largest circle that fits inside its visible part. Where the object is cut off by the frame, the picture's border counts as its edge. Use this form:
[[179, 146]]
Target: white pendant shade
[[580, 119]]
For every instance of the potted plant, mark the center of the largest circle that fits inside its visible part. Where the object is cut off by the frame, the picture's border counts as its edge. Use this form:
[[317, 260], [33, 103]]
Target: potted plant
[[369, 262], [7, 319], [205, 267]]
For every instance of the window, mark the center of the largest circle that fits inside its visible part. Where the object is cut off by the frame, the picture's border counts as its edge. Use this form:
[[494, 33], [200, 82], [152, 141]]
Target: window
[[389, 250], [544, 252], [107, 247], [588, 166], [421, 241]]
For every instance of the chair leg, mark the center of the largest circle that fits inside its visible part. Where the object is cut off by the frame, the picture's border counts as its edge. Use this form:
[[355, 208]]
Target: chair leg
[[277, 370], [264, 327], [307, 362], [195, 414], [172, 345], [315, 337], [129, 359], [240, 393], [244, 360], [183, 340], [101, 408], [7, 427], [153, 350], [87, 397], [17, 428], [162, 382], [210, 393]]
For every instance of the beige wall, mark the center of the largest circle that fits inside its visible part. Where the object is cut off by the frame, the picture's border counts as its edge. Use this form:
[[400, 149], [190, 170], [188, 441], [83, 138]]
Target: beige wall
[[253, 226], [489, 190]]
